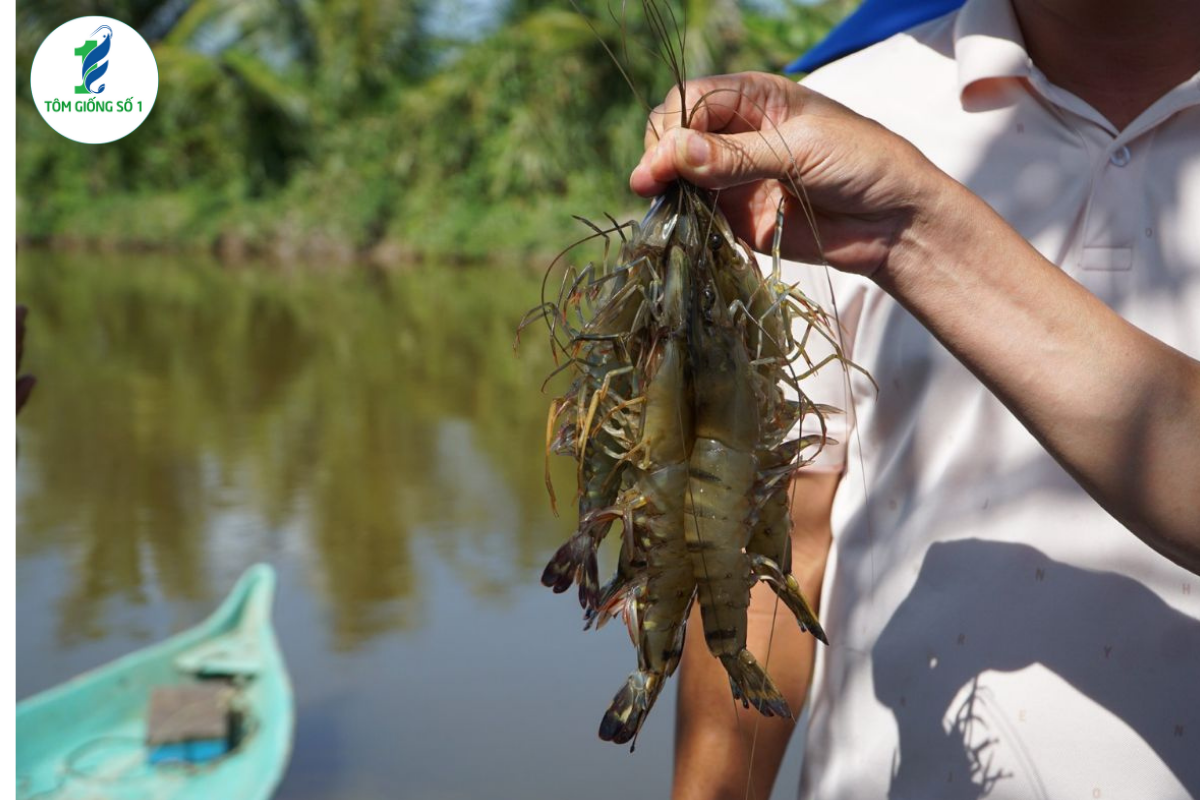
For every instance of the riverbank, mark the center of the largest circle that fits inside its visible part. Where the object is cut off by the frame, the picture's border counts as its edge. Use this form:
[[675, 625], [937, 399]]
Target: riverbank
[[525, 236], [329, 145]]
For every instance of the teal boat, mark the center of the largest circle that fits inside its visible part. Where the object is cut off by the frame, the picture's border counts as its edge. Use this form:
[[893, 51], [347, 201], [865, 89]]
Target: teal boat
[[87, 738]]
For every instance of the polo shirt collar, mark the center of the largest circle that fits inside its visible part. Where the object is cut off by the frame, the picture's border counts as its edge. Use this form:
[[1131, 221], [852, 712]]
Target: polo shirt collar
[[988, 43]]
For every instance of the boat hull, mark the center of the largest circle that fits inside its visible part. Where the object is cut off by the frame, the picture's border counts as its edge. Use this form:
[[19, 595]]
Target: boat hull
[[86, 738]]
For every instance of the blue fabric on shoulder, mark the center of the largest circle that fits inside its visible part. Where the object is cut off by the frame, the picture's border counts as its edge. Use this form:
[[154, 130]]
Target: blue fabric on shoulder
[[874, 21]]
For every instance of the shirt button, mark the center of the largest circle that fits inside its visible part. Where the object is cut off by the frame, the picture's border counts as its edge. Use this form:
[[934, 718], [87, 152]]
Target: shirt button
[[1120, 156]]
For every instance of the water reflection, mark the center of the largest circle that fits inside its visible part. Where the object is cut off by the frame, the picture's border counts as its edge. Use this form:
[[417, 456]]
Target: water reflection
[[358, 412], [373, 437]]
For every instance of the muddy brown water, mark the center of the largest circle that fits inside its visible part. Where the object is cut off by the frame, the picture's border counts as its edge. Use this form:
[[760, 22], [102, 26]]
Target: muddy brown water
[[373, 437]]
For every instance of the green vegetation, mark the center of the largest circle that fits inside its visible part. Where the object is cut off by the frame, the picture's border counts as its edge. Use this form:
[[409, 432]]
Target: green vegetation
[[349, 129]]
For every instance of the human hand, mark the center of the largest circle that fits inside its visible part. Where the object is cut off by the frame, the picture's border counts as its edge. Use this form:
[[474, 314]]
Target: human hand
[[24, 382], [761, 138]]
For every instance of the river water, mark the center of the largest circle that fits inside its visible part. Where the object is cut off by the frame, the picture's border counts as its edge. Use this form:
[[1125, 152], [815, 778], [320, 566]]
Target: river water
[[372, 436]]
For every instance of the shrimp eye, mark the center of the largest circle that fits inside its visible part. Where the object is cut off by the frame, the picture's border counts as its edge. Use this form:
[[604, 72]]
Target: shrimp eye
[[715, 240]]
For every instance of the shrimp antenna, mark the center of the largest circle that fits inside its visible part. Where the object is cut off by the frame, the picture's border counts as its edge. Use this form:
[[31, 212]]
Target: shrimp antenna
[[673, 56], [616, 61]]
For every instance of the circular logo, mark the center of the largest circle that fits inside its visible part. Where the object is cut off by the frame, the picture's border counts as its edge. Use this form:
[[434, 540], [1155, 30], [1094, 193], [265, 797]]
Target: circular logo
[[94, 80]]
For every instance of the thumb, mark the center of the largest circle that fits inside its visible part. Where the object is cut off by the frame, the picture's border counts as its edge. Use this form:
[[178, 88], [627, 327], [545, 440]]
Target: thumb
[[718, 161]]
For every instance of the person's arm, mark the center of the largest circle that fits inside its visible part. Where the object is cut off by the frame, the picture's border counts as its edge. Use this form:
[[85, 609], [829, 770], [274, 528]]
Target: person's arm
[[1117, 408], [714, 734]]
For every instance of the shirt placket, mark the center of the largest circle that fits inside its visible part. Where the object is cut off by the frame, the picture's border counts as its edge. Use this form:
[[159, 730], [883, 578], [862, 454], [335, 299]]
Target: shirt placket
[[1113, 214]]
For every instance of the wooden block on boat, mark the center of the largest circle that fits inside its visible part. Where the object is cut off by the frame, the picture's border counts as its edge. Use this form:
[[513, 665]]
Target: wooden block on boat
[[192, 712]]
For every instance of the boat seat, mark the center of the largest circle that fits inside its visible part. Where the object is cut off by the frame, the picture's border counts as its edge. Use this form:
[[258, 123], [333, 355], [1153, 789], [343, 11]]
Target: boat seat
[[230, 654]]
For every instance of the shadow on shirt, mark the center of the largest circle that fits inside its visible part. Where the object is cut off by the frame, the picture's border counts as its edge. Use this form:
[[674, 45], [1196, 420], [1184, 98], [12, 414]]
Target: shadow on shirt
[[1022, 608]]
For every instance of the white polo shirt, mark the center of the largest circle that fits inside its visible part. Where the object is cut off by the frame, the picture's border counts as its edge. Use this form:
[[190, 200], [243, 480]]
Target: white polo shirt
[[994, 632]]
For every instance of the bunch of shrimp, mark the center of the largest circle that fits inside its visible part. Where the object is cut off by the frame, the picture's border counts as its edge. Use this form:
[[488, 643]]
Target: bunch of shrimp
[[682, 432]]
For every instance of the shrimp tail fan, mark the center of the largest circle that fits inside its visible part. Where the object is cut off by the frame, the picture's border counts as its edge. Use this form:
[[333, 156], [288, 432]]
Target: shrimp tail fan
[[753, 686], [630, 707], [575, 562]]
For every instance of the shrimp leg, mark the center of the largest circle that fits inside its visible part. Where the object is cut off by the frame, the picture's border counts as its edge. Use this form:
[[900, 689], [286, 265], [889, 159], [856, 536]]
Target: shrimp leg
[[788, 590]]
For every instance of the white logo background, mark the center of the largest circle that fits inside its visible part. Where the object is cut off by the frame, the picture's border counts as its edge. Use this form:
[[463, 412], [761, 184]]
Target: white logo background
[[132, 77]]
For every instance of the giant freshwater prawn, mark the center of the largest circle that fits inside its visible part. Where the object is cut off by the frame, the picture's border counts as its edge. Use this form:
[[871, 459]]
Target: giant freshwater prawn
[[687, 366]]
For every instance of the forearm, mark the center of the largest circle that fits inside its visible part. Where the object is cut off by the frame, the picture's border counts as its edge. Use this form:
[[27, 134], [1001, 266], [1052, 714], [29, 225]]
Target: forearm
[[1117, 408]]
